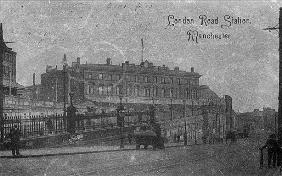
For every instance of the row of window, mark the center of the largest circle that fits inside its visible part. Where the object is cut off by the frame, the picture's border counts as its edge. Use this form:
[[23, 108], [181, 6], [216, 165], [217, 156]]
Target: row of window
[[139, 91], [145, 79], [10, 58], [7, 69]]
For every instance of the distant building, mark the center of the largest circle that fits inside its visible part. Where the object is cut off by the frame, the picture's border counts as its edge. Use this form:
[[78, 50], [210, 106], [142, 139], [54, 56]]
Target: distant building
[[258, 119], [10, 85], [57, 84]]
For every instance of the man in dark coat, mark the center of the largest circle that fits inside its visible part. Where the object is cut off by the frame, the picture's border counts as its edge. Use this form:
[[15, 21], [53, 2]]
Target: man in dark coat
[[15, 140], [272, 149]]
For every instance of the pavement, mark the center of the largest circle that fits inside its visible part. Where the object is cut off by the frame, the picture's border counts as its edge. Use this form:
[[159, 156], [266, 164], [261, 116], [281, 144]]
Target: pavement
[[71, 150]]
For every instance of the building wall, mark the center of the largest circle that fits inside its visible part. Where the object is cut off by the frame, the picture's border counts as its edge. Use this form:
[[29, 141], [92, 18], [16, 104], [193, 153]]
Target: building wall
[[135, 82], [258, 119], [9, 66]]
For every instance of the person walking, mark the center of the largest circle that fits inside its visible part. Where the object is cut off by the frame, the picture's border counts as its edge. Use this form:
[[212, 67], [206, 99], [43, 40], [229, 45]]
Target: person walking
[[15, 141], [272, 150]]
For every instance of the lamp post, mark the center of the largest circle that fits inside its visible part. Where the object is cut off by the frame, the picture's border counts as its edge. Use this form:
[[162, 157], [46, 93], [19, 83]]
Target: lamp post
[[64, 87], [279, 118], [185, 128], [1, 93], [71, 115], [195, 133], [120, 121], [171, 110]]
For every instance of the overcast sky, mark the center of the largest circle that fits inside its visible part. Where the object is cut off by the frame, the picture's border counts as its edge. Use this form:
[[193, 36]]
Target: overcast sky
[[244, 66]]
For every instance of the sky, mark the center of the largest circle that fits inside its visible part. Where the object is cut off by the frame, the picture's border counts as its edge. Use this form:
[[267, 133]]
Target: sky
[[243, 65]]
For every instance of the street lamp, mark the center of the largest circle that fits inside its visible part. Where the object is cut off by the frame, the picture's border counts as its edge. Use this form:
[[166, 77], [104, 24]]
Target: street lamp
[[171, 110], [120, 121], [195, 133], [71, 110], [185, 132]]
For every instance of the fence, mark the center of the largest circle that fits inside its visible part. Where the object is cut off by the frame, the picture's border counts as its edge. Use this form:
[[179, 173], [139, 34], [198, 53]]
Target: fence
[[34, 126]]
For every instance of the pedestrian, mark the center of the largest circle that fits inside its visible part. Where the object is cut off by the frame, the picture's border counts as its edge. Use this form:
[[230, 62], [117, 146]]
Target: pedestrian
[[15, 141], [272, 150]]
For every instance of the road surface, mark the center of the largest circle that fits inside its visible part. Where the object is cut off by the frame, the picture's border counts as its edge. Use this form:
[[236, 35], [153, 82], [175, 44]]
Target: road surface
[[241, 158]]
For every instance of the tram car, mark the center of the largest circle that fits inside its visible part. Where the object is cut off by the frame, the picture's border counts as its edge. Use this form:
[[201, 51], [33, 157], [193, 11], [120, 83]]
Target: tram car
[[148, 135]]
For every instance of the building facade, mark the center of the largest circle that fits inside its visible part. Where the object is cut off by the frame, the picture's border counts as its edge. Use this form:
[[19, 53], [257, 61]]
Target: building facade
[[139, 83], [257, 120], [144, 83], [176, 94], [8, 57]]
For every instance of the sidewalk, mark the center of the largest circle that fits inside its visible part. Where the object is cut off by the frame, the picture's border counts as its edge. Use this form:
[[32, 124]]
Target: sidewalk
[[70, 150]]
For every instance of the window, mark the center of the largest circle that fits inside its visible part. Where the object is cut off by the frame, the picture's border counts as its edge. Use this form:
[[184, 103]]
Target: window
[[193, 94], [109, 90], [162, 80], [119, 77], [100, 90], [135, 78], [88, 89], [127, 78], [141, 79], [188, 82], [138, 90], [6, 56], [111, 77], [101, 76], [117, 90], [171, 80], [89, 75], [135, 90], [187, 93], [146, 79], [163, 92], [178, 81], [171, 92], [147, 92], [155, 91], [129, 91], [156, 79]]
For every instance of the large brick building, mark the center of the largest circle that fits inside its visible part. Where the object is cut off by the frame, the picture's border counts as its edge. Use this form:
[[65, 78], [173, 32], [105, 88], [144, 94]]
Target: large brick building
[[138, 83], [143, 83], [177, 94], [134, 83]]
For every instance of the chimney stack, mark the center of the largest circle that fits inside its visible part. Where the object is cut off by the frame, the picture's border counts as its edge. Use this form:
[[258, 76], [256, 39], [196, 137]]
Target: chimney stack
[[1, 32], [176, 68], [109, 61], [192, 69], [33, 79], [78, 60]]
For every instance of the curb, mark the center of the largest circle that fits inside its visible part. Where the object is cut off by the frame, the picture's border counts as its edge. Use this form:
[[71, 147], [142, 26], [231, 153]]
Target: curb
[[87, 152]]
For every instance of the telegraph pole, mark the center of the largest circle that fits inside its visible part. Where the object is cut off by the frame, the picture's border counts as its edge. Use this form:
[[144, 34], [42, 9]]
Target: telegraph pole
[[279, 119], [64, 87], [280, 79], [1, 94]]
